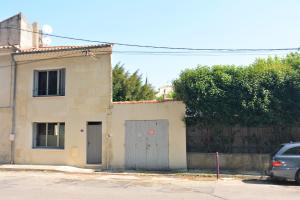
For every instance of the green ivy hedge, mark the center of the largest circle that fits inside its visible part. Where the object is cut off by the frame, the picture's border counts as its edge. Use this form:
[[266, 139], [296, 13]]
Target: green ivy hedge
[[266, 92]]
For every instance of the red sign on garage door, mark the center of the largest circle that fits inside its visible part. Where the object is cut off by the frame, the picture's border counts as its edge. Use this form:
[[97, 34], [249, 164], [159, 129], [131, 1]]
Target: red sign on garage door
[[151, 131]]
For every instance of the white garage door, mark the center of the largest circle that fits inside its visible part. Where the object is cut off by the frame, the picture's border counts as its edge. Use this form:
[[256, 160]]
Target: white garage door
[[147, 144]]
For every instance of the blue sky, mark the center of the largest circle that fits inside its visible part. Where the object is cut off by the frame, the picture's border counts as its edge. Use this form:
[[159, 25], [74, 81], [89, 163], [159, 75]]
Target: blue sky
[[190, 23]]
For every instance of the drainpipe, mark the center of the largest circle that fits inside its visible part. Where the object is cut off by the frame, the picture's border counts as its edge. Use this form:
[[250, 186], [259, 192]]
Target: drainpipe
[[13, 119]]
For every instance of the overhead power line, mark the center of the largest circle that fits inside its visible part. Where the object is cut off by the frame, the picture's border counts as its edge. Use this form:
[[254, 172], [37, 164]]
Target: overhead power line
[[163, 47], [69, 55], [154, 53]]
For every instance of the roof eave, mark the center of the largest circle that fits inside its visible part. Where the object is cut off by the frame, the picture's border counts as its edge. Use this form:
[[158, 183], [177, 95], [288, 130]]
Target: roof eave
[[63, 50]]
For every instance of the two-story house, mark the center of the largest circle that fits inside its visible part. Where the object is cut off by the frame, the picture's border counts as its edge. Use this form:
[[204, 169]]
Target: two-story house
[[56, 108]]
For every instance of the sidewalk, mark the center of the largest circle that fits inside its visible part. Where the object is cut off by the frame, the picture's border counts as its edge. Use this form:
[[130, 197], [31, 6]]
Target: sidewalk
[[191, 173], [50, 168]]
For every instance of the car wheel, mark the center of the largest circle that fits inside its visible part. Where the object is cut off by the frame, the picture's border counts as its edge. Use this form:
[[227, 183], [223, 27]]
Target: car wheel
[[298, 176]]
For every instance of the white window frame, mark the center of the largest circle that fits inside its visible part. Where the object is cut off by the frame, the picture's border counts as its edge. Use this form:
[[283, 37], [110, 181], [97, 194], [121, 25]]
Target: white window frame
[[60, 83], [34, 146]]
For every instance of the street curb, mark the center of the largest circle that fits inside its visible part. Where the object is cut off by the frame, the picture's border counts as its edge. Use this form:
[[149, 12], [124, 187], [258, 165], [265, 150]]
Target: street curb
[[60, 169]]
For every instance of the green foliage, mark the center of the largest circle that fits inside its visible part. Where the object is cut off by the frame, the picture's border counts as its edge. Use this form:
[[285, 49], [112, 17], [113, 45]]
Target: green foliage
[[129, 87], [293, 59], [266, 92]]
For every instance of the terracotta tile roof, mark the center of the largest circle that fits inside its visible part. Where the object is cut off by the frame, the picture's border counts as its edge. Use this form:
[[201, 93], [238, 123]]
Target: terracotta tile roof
[[49, 48], [61, 48], [144, 102]]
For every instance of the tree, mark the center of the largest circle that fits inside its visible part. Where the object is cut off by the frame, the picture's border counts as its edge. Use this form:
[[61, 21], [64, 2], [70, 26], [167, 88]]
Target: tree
[[130, 87], [120, 77]]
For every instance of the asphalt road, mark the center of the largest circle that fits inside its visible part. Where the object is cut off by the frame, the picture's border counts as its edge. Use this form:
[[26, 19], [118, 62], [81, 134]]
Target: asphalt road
[[57, 186]]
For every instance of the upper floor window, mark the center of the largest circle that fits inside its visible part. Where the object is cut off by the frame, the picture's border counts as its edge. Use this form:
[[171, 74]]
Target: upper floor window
[[49, 82]]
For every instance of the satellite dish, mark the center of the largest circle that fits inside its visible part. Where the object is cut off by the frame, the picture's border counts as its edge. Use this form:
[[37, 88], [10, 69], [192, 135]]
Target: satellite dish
[[46, 40], [47, 29]]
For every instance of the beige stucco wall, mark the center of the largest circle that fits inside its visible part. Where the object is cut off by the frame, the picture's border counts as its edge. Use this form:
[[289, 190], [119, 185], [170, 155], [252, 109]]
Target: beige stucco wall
[[88, 95], [10, 36], [173, 111], [5, 103], [5, 129], [87, 98], [5, 78], [13, 36], [25, 36]]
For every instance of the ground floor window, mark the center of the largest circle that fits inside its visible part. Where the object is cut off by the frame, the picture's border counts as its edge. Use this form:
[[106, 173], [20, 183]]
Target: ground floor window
[[49, 135]]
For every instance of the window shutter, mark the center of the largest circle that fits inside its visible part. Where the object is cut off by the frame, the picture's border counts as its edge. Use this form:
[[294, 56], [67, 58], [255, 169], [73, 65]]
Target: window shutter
[[35, 83], [62, 81]]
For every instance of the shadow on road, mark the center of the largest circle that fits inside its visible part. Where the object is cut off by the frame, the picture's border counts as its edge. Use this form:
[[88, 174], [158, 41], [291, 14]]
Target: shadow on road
[[271, 182]]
